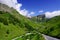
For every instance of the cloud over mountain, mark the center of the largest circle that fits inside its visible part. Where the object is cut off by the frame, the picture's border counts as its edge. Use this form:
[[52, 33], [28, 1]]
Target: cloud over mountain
[[17, 6], [52, 14]]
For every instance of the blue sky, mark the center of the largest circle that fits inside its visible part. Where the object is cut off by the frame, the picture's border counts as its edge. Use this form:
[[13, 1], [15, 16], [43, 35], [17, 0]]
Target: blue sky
[[30, 8], [40, 5]]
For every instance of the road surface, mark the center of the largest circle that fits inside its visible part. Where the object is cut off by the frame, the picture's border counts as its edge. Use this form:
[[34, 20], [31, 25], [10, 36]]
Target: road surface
[[49, 38]]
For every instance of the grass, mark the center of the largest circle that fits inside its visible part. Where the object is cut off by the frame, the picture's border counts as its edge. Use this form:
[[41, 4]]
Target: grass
[[50, 26], [12, 24], [34, 36]]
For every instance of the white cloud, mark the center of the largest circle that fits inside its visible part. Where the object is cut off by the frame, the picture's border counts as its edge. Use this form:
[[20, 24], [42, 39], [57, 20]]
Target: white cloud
[[52, 14], [40, 11], [10, 3], [17, 6], [32, 13], [24, 12]]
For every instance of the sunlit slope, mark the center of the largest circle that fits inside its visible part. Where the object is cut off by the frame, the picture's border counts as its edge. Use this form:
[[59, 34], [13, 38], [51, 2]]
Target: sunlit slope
[[50, 27], [53, 27], [12, 24]]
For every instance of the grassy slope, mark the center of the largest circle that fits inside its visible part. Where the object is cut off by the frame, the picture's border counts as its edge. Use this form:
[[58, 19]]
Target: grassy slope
[[12, 24], [53, 27], [50, 27]]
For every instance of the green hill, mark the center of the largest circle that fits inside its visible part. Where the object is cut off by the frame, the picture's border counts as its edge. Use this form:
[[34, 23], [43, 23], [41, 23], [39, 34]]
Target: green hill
[[50, 26], [12, 24]]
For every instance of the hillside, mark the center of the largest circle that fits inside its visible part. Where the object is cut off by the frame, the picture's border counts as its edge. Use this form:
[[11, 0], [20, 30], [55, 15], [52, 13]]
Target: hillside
[[12, 24], [50, 26]]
